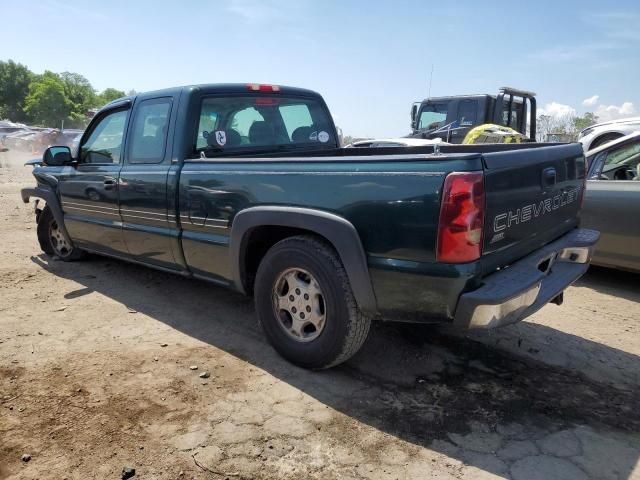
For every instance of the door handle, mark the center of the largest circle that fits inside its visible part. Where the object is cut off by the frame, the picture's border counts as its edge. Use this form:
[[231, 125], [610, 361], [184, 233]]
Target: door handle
[[109, 183]]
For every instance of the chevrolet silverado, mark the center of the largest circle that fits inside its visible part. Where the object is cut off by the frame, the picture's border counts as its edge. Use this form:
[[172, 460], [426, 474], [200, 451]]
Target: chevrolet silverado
[[246, 186]]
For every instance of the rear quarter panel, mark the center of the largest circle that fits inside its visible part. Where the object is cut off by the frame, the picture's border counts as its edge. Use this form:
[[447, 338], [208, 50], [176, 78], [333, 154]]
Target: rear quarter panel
[[394, 205]]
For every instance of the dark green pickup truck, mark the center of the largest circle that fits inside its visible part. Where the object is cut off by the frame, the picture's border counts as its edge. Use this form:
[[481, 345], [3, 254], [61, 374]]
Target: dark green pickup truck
[[246, 186]]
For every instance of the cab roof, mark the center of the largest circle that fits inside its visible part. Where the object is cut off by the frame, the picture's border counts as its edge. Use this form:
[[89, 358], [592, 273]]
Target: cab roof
[[232, 88]]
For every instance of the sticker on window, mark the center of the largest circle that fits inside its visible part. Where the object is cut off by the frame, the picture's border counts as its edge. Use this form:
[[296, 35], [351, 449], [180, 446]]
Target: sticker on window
[[323, 136], [221, 137], [313, 136]]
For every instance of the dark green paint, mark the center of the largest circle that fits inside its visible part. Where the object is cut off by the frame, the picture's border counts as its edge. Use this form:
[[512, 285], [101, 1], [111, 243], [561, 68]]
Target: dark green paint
[[177, 214]]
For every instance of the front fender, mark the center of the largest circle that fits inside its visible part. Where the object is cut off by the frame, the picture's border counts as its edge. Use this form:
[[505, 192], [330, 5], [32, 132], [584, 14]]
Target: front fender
[[337, 230], [48, 195]]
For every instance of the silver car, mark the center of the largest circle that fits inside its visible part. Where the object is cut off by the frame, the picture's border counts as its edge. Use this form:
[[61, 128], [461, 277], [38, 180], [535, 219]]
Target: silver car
[[602, 133], [612, 201]]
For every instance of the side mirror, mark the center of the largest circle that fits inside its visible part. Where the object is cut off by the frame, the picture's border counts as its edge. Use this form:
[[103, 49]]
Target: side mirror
[[57, 156], [414, 114]]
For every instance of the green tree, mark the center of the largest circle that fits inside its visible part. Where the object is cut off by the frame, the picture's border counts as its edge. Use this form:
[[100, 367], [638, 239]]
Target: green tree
[[81, 97], [588, 119], [47, 103], [14, 87], [109, 95]]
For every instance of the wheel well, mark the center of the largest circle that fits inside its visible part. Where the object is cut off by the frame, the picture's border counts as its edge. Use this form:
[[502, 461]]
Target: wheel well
[[257, 243]]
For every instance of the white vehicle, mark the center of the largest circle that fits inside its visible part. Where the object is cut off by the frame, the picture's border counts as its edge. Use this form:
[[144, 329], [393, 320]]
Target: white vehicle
[[394, 142], [596, 135]]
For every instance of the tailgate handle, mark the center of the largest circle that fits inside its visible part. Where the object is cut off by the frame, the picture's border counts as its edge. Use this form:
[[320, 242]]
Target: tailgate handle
[[548, 177]]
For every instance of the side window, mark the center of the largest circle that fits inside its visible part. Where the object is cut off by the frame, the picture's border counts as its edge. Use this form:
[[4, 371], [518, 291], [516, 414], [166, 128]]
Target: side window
[[298, 122], [104, 144], [148, 138], [467, 112], [622, 163]]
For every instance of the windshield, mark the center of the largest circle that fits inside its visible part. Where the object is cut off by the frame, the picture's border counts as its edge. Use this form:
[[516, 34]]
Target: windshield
[[432, 116], [243, 123]]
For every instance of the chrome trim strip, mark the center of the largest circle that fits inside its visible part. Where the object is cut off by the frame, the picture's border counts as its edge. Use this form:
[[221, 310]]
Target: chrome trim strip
[[144, 218], [347, 174], [191, 217], [142, 211], [192, 226], [92, 211], [88, 205]]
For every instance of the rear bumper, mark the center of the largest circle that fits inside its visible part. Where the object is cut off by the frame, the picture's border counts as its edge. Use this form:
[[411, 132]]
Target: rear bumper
[[512, 294]]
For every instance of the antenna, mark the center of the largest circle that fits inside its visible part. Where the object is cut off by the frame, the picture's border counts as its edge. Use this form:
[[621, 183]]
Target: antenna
[[430, 81]]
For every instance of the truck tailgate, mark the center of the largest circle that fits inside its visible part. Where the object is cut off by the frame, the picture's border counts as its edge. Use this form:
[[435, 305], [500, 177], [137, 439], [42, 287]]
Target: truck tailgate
[[532, 197]]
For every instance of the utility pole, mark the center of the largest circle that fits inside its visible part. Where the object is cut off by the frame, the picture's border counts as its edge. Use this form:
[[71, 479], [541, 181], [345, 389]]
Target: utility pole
[[430, 81]]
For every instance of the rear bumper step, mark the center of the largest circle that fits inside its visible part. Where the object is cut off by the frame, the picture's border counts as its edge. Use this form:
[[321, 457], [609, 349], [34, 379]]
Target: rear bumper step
[[512, 294]]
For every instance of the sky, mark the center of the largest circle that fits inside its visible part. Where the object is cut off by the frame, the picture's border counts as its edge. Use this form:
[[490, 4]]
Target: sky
[[369, 59]]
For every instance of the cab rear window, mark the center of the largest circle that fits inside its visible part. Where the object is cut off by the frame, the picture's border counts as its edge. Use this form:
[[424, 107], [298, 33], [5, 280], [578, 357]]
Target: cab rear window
[[262, 122]]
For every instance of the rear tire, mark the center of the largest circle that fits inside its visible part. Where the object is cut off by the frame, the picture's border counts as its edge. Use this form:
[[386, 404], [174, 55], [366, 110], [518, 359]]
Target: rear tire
[[52, 241], [305, 304]]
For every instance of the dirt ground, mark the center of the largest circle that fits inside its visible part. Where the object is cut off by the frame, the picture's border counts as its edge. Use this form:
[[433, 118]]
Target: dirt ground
[[96, 374]]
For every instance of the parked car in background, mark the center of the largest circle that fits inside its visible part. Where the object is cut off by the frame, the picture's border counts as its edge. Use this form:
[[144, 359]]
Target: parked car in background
[[7, 128], [601, 133], [612, 201], [21, 140], [36, 140], [394, 142]]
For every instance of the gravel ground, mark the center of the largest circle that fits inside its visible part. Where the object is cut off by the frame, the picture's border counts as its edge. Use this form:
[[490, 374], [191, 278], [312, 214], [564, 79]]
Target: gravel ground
[[96, 374]]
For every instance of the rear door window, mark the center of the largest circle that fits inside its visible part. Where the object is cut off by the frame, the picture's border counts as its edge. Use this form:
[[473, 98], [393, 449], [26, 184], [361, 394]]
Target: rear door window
[[148, 138]]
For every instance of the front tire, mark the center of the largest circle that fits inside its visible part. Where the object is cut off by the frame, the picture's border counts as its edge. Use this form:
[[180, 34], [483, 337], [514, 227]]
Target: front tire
[[305, 304], [52, 241]]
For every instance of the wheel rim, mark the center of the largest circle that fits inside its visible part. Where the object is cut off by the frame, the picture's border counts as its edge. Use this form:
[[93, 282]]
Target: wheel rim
[[59, 243], [299, 304]]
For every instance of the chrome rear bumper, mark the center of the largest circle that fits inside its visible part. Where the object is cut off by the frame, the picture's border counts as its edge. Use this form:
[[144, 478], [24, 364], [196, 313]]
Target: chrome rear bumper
[[514, 293]]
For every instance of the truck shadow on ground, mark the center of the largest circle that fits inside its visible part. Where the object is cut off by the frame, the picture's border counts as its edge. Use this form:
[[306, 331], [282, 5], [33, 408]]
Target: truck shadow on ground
[[423, 386], [619, 283]]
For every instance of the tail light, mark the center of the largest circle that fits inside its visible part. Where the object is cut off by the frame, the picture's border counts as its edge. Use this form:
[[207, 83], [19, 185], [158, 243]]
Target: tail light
[[256, 87], [461, 218]]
